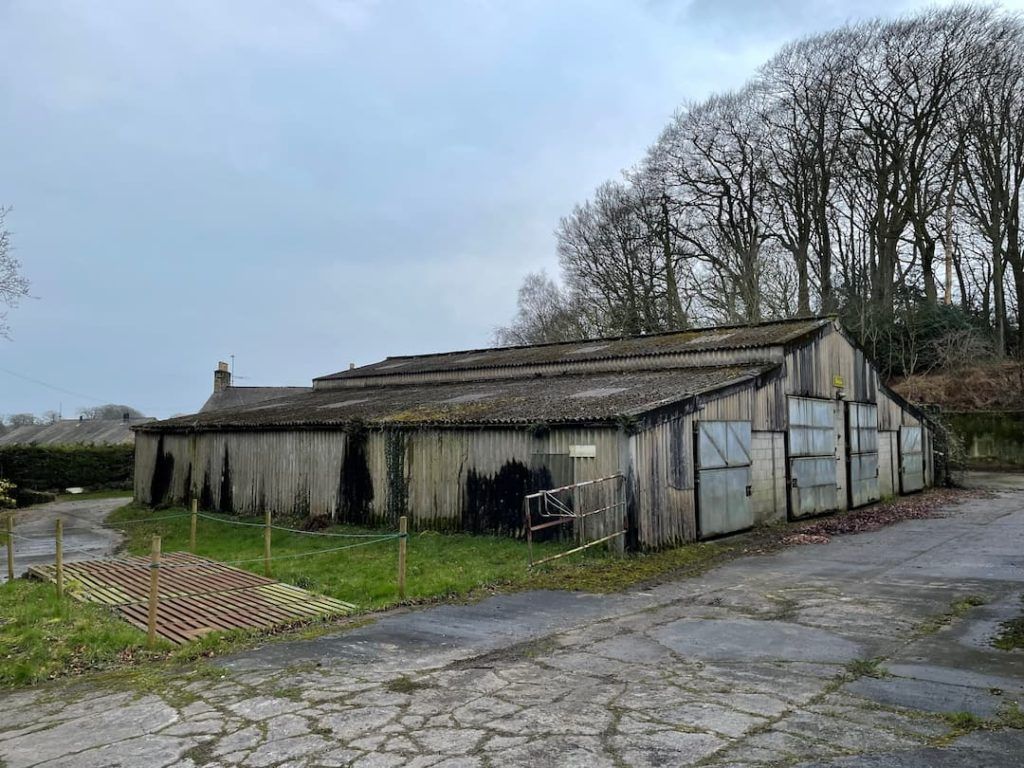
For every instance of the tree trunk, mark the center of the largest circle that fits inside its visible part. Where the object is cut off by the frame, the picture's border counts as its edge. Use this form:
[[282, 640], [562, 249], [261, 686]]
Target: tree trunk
[[1016, 262], [998, 294], [676, 316], [803, 291], [947, 242], [885, 271], [825, 261], [927, 250]]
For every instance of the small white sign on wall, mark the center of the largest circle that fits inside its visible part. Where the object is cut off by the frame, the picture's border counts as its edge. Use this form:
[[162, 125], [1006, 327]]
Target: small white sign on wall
[[583, 451]]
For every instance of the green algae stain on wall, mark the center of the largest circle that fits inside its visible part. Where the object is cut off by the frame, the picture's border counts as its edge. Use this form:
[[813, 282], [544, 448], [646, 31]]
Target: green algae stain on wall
[[993, 439]]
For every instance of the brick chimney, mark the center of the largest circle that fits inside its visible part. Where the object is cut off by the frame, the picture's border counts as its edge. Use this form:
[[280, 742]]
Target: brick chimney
[[221, 377]]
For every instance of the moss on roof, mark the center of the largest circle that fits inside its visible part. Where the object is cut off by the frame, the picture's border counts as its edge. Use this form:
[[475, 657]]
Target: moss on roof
[[567, 399]]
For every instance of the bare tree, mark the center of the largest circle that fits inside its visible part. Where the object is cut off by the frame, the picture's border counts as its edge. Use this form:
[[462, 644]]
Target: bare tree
[[829, 183], [546, 312], [808, 86], [22, 420], [110, 411], [712, 157], [993, 169], [13, 284], [612, 261]]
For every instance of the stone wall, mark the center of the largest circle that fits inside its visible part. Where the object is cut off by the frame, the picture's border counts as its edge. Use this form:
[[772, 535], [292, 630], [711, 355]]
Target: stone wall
[[992, 439]]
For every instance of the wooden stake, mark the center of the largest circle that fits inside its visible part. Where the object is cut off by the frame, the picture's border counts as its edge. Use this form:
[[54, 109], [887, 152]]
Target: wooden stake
[[403, 532], [10, 547], [60, 558], [266, 544], [154, 588], [192, 528]]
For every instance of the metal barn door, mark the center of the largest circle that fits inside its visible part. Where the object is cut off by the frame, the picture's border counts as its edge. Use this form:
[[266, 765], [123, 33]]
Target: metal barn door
[[812, 456], [911, 460], [862, 433], [723, 477]]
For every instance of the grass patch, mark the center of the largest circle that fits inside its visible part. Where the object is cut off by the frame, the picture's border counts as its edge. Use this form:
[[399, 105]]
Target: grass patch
[[965, 722], [1011, 635], [404, 685], [1008, 716], [42, 637], [200, 754], [439, 566], [865, 668], [956, 609], [1011, 716]]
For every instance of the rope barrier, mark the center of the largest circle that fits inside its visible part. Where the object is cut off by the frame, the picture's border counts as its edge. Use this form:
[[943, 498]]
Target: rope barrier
[[214, 563], [186, 566], [330, 534], [147, 519]]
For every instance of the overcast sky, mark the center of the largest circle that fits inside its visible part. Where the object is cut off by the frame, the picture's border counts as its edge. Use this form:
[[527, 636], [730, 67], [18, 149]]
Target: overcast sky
[[308, 183]]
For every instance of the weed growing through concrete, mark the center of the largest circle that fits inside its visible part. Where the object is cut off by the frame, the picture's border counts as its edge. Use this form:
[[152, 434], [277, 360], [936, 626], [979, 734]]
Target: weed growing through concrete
[[965, 722], [1011, 716], [865, 668], [1008, 716], [1011, 635], [404, 685], [956, 609]]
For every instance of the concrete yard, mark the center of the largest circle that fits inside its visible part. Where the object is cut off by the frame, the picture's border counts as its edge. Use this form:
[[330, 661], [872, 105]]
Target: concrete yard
[[85, 536], [819, 655]]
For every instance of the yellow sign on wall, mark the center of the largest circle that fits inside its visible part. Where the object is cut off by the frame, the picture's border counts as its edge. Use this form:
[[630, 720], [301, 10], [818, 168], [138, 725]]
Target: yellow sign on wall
[[837, 381]]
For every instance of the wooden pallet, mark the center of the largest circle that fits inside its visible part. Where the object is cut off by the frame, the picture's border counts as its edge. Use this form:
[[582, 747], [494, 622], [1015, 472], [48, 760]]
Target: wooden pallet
[[196, 595]]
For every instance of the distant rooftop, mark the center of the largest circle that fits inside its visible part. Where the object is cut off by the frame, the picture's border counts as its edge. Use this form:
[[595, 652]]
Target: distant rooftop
[[74, 432]]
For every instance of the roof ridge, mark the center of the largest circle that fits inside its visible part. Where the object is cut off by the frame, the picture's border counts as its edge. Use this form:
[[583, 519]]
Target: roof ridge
[[377, 370], [560, 375], [266, 386], [594, 339]]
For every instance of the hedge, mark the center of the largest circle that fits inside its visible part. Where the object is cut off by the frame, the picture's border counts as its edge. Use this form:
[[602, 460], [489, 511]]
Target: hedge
[[56, 467], [26, 497]]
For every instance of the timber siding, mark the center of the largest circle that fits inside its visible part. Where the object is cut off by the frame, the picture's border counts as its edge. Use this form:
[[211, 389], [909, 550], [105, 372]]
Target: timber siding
[[456, 445], [443, 479]]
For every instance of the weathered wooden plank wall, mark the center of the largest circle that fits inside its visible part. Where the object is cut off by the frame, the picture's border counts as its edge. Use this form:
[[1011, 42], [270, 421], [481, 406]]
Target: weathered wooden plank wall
[[447, 479]]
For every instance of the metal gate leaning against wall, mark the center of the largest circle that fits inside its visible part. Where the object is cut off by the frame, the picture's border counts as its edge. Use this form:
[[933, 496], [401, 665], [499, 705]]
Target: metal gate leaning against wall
[[862, 453], [911, 459], [723, 477], [812, 456]]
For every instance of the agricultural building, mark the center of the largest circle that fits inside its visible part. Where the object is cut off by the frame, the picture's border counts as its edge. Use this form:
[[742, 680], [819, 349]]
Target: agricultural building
[[713, 431]]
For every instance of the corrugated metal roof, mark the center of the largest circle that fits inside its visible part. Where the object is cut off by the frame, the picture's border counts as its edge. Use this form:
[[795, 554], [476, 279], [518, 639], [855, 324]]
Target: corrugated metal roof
[[236, 397], [776, 333], [73, 432], [569, 399]]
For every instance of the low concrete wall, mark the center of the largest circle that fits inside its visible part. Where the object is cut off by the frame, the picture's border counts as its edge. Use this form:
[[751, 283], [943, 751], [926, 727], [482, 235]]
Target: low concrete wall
[[993, 439]]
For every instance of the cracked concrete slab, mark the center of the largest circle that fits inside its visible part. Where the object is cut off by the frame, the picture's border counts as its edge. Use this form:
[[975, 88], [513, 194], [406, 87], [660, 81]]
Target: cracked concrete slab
[[823, 655]]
